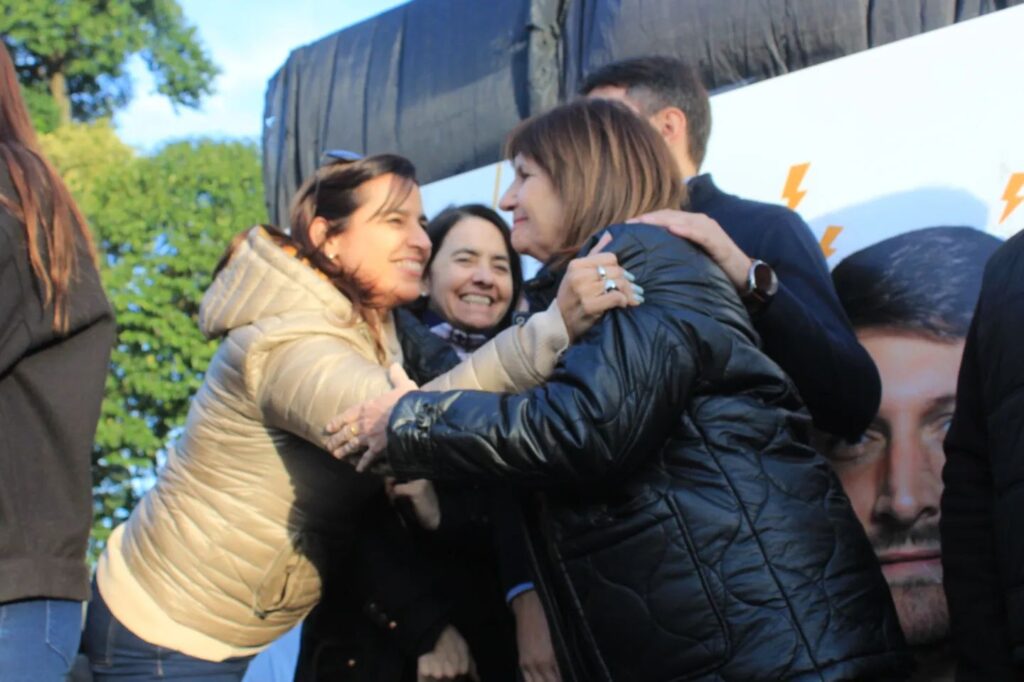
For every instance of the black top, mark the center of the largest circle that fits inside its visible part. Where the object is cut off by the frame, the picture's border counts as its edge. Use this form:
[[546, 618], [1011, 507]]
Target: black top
[[51, 388], [686, 532], [804, 328], [983, 501]]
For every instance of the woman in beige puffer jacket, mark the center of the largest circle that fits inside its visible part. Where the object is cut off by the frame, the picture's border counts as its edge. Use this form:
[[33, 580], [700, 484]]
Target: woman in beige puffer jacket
[[218, 559]]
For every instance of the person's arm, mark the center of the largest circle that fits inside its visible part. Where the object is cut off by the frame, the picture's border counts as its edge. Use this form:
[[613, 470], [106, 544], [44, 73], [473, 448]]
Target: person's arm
[[305, 382], [977, 609], [612, 402], [805, 330]]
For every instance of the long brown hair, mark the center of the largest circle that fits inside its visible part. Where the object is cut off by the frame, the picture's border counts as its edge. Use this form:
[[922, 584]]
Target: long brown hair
[[606, 164], [53, 224]]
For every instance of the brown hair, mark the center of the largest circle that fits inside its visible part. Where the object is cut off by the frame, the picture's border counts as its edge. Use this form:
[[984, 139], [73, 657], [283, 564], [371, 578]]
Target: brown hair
[[606, 164], [53, 224], [332, 193]]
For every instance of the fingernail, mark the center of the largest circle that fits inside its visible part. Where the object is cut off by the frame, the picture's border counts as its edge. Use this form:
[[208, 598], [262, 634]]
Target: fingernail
[[639, 298], [630, 277], [638, 289]]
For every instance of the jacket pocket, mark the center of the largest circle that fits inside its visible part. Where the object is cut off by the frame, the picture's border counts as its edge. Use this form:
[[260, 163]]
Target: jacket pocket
[[290, 583], [643, 601]]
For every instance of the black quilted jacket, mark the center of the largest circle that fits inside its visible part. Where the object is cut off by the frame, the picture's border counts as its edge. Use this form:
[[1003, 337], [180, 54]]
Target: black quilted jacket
[[983, 502], [684, 532]]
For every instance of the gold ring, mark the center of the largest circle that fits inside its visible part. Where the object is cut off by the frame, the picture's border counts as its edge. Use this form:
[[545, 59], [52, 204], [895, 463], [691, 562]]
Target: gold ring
[[354, 429]]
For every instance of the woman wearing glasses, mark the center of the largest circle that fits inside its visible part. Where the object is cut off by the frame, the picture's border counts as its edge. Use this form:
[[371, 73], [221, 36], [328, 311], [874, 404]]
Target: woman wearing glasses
[[224, 553]]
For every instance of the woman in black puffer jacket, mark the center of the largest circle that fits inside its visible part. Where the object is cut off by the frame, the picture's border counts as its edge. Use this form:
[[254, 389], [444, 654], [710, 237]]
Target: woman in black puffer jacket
[[683, 530]]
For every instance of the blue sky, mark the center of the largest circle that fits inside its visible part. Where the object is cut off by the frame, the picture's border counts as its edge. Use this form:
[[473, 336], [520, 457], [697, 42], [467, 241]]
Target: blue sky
[[249, 40]]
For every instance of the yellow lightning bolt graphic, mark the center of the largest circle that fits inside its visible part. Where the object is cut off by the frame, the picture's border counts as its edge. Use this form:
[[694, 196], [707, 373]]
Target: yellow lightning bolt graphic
[[791, 192], [1012, 195], [831, 232]]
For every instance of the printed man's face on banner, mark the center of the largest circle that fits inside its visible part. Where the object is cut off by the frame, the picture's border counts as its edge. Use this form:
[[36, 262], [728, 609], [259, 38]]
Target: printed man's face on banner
[[893, 475]]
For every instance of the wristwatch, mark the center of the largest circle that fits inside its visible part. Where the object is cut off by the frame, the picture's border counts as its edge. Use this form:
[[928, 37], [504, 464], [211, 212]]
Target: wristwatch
[[761, 285]]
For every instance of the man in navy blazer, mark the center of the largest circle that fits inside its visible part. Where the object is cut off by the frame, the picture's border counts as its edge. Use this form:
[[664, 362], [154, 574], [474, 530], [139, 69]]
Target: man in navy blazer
[[767, 250]]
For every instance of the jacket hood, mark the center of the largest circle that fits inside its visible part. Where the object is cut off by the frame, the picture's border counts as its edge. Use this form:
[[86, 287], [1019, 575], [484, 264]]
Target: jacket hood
[[263, 280]]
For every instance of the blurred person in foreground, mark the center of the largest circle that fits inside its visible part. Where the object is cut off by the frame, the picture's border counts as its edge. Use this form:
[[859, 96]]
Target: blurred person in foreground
[[983, 502], [56, 333]]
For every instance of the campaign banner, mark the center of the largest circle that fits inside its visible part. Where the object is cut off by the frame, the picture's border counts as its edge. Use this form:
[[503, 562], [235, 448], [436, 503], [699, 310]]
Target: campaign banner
[[921, 132]]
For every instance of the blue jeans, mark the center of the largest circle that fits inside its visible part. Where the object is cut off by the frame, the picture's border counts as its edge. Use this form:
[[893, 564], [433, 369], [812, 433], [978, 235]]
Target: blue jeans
[[117, 655], [39, 639]]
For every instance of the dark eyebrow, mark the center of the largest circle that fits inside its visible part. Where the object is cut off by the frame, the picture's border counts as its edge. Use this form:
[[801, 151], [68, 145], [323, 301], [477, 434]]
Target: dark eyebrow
[[940, 405], [473, 252]]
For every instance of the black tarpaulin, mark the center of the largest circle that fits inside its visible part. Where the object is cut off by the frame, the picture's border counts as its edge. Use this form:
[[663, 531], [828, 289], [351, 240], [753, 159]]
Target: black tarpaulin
[[443, 81]]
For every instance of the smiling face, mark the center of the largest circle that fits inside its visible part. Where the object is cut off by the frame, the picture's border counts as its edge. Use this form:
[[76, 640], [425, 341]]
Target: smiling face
[[383, 245], [537, 211], [470, 280], [893, 475]]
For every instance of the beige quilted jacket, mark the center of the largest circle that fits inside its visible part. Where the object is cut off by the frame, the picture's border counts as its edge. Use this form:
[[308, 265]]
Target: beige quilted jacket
[[218, 558]]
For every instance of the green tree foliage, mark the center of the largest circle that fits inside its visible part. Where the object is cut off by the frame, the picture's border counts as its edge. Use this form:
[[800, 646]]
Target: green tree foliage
[[161, 222], [87, 154], [77, 50], [41, 108]]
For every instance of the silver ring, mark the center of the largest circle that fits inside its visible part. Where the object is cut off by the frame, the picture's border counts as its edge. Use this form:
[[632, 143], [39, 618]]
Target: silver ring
[[610, 285], [601, 272]]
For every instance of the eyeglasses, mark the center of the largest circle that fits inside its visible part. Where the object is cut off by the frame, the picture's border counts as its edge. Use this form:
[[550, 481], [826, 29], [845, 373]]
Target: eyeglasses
[[329, 158]]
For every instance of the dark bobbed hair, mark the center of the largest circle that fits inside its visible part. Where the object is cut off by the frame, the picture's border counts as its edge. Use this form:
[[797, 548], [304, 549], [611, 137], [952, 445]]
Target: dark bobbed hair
[[655, 83], [925, 281], [606, 164], [442, 224]]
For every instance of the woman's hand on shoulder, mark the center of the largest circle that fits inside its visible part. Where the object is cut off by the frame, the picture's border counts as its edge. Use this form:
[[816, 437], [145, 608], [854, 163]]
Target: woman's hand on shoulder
[[706, 233], [594, 284]]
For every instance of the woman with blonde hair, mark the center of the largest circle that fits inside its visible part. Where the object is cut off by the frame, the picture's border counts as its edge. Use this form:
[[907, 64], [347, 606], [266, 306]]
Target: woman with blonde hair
[[56, 332], [227, 551], [681, 529]]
